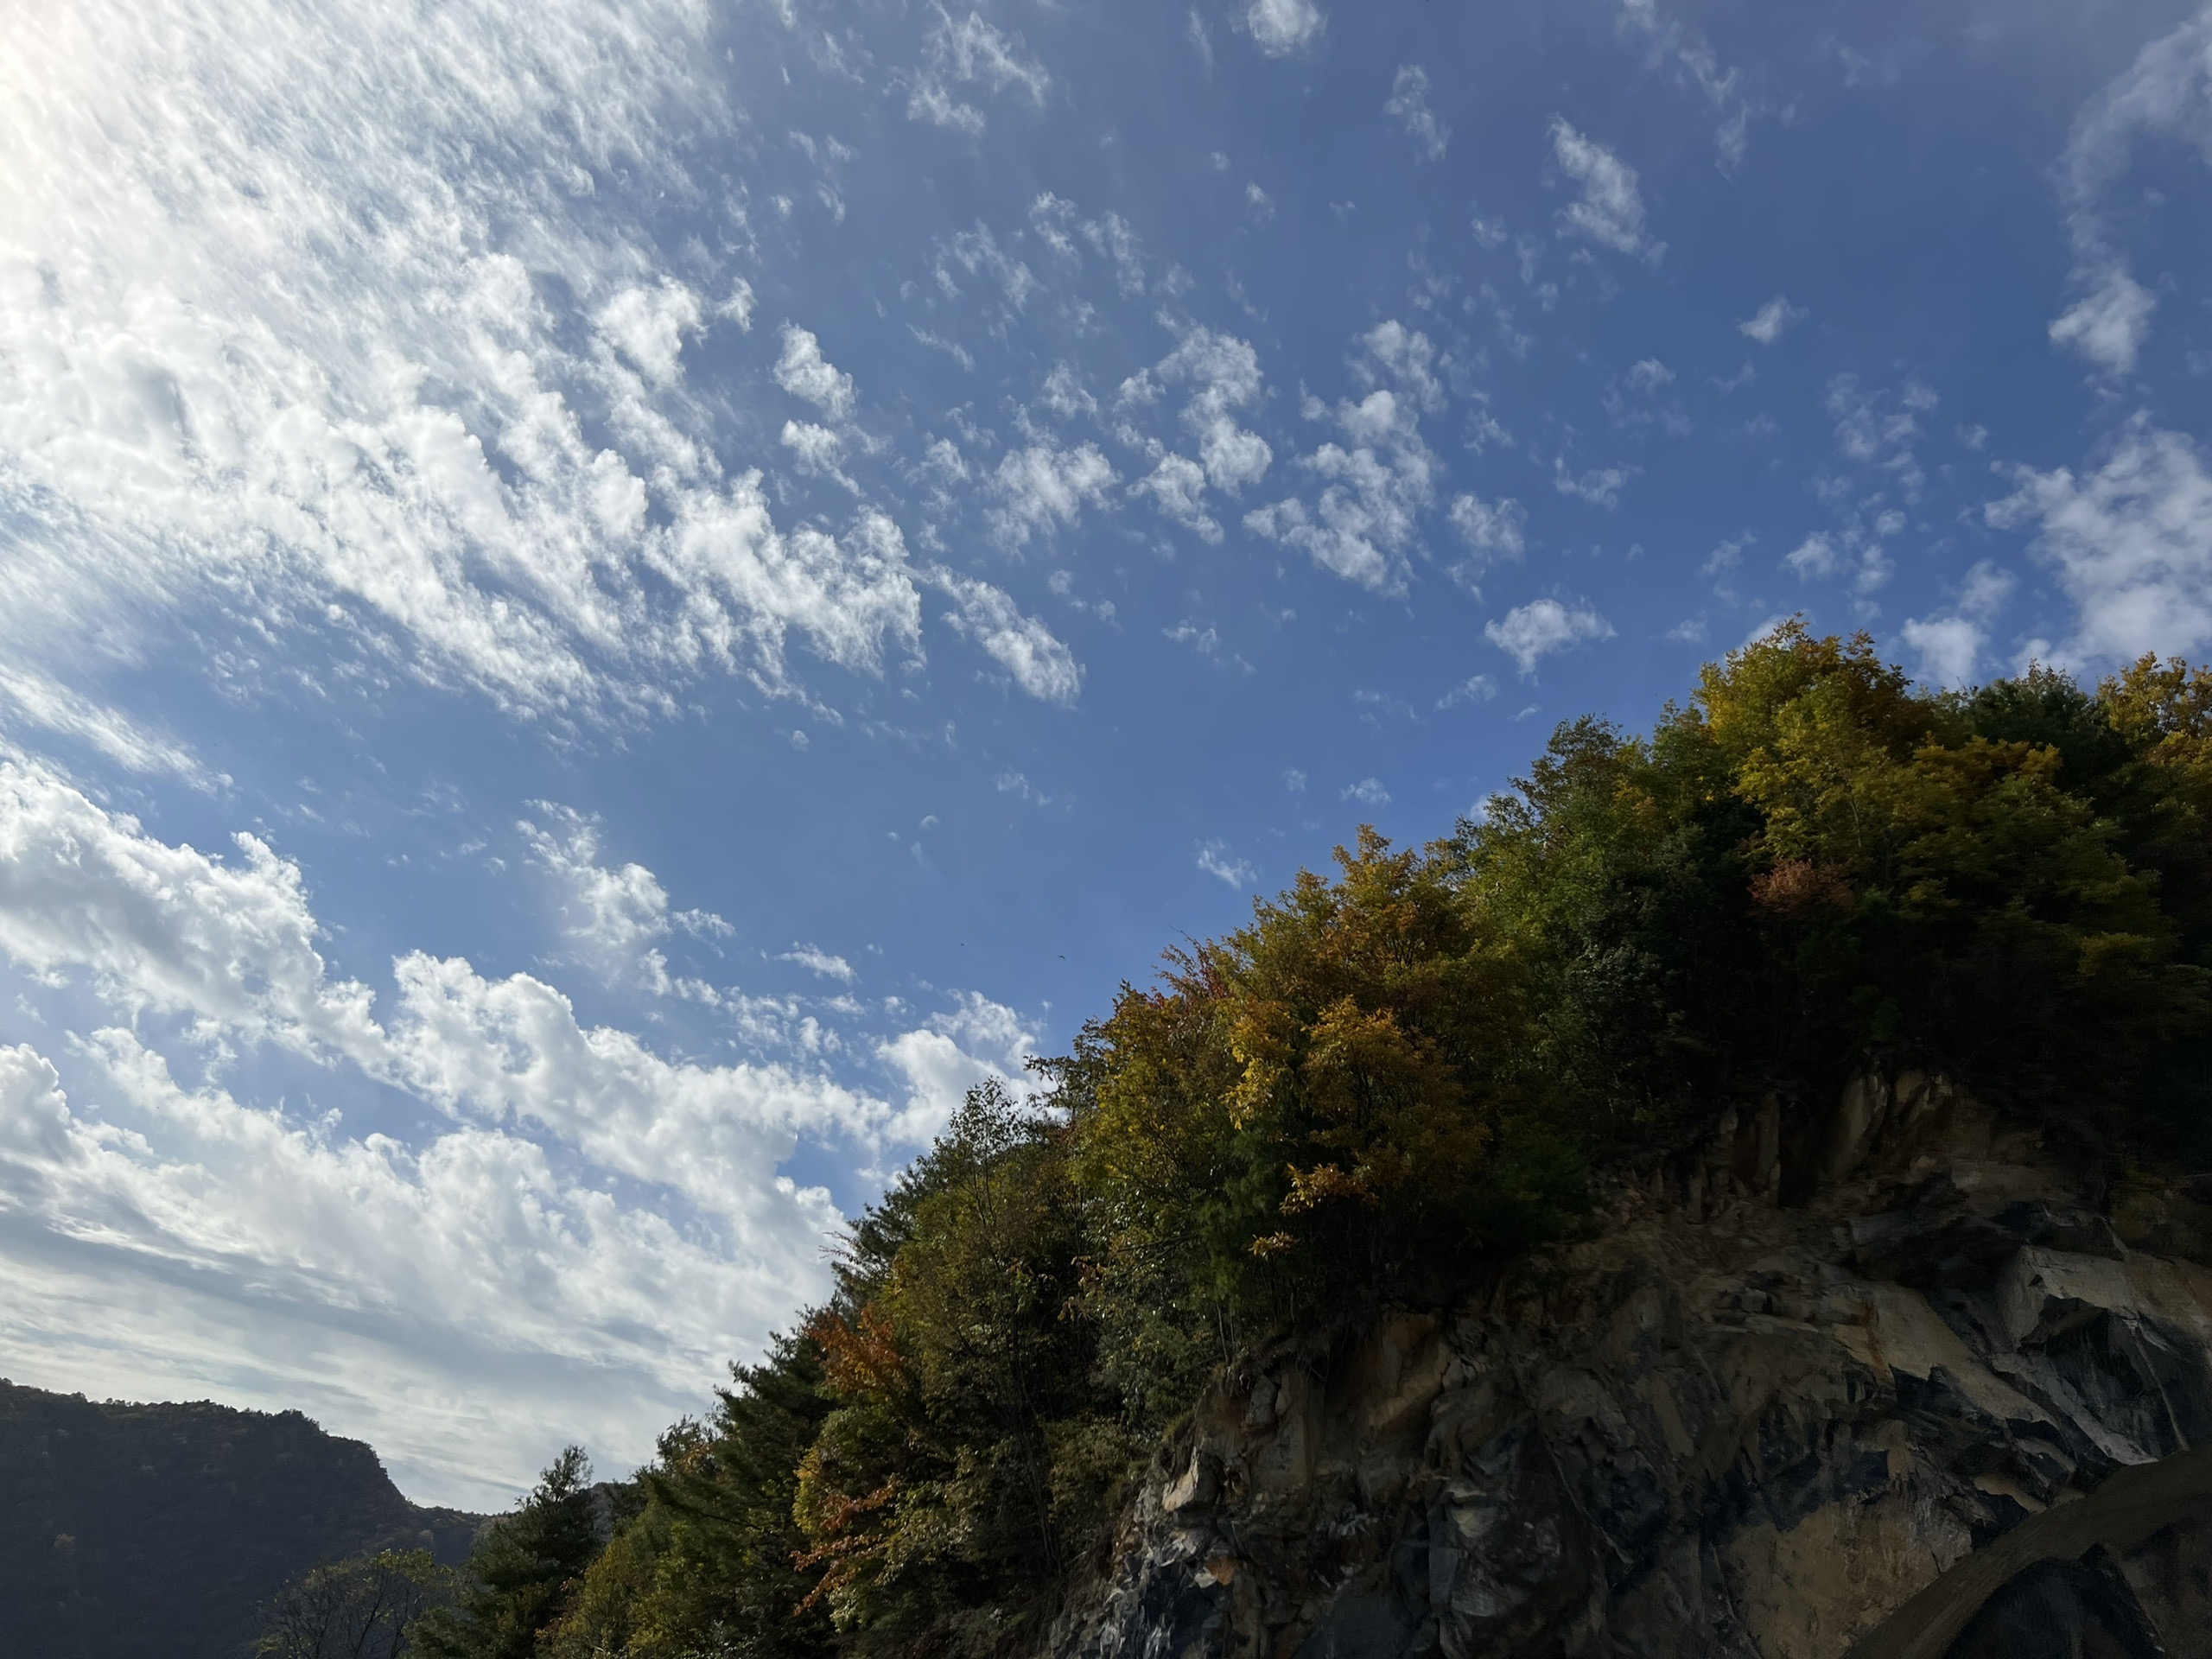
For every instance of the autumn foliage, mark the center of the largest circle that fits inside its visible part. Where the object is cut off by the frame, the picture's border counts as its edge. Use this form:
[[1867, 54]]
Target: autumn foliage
[[1398, 1077]]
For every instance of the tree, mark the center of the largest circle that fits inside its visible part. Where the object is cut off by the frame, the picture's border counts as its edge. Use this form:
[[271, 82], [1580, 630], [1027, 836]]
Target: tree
[[524, 1571], [366, 1608]]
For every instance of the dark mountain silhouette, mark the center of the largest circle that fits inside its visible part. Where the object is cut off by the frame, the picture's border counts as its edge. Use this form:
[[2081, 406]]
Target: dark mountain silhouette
[[159, 1531]]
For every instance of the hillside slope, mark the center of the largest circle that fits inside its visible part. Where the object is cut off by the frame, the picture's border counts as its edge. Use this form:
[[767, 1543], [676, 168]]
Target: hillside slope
[[157, 1531]]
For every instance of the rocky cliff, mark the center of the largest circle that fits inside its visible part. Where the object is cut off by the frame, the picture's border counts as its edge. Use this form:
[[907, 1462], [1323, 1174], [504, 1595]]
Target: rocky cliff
[[1896, 1379]]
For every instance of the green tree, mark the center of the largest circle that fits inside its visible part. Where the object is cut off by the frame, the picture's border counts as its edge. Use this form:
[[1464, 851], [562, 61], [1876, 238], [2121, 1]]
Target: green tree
[[524, 1571]]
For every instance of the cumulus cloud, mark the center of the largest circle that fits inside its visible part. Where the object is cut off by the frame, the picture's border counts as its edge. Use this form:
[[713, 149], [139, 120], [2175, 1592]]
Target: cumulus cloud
[[1026, 648], [462, 1303], [817, 451], [1770, 322], [1283, 26], [1176, 486], [1368, 792], [428, 380], [648, 326], [437, 1294], [1610, 211], [1950, 645], [233, 946], [1044, 487], [2130, 539], [615, 913], [1380, 479], [979, 1040], [1408, 102], [1530, 633], [804, 372], [1223, 375]]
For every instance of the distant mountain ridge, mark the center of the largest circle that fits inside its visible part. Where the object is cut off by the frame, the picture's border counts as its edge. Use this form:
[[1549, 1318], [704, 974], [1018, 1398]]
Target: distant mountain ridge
[[158, 1531]]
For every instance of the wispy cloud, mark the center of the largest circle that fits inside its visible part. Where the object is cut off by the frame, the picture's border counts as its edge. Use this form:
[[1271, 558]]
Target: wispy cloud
[[1216, 861], [1609, 210], [1408, 103]]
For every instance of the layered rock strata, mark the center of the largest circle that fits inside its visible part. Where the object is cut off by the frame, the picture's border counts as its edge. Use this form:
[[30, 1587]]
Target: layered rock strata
[[1789, 1403]]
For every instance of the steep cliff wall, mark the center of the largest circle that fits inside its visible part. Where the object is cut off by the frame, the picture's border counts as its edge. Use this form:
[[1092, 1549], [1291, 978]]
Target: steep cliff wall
[[1817, 1388]]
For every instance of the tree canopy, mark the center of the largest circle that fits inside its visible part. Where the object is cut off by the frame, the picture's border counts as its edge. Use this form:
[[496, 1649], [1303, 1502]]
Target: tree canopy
[[1397, 1075]]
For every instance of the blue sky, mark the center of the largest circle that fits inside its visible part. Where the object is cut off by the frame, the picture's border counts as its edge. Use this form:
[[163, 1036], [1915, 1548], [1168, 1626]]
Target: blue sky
[[602, 607]]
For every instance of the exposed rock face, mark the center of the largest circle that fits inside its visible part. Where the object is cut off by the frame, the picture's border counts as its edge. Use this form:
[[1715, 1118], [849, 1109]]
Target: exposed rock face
[[1799, 1381]]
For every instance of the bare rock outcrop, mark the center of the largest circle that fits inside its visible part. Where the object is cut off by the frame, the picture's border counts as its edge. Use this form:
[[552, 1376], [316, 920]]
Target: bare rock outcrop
[[1791, 1403]]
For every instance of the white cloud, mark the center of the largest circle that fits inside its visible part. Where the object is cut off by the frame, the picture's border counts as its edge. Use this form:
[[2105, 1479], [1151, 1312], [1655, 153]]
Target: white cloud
[[466, 1299], [1610, 210], [804, 372], [1815, 558], [1881, 429], [168, 929], [2130, 539], [29, 697], [972, 52], [462, 1305], [2166, 92], [648, 326], [1408, 102], [817, 451], [1368, 792], [1216, 861], [613, 917], [1530, 633], [1769, 323], [1177, 487], [2109, 324], [427, 381], [1026, 648], [816, 960], [979, 1040], [1223, 375], [1648, 375], [1064, 394], [1376, 486], [1043, 487], [1822, 555], [1599, 486], [1283, 26], [929, 102], [972, 49], [1950, 647], [1492, 531]]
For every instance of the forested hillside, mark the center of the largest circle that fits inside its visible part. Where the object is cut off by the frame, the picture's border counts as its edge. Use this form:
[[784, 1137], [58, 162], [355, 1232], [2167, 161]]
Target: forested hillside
[[157, 1532], [1397, 1079]]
